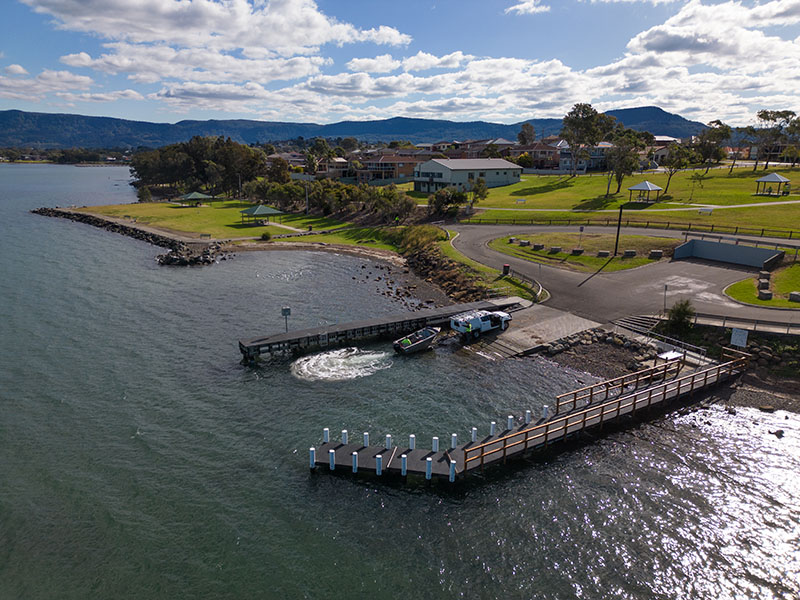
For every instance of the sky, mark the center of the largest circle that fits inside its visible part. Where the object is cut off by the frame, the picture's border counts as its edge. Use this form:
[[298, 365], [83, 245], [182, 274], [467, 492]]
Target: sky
[[325, 61]]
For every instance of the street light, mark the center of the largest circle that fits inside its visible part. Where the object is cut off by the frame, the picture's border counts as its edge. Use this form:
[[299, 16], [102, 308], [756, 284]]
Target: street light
[[665, 298], [619, 225]]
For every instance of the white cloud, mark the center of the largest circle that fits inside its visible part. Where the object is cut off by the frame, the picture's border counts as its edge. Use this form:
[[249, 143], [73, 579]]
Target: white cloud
[[47, 82], [101, 96], [528, 7], [15, 70], [380, 64], [285, 27], [423, 61]]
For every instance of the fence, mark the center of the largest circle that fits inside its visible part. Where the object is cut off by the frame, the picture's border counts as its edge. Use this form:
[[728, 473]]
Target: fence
[[535, 286], [604, 389], [609, 222], [766, 325]]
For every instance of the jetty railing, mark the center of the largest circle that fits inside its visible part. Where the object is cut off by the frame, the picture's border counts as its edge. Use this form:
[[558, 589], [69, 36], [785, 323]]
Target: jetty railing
[[559, 428], [602, 390]]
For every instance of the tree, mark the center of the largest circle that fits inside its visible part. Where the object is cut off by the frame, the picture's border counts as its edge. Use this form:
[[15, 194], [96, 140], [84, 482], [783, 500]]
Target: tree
[[679, 317], [278, 171], [444, 199], [527, 135], [583, 127], [623, 158], [478, 192], [349, 144], [144, 195], [709, 143], [491, 151], [678, 157], [771, 132]]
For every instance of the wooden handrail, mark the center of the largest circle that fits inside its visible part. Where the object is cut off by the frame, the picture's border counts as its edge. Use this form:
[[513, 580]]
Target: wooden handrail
[[599, 410]]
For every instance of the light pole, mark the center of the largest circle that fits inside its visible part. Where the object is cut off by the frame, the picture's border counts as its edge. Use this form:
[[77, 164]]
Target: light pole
[[619, 225], [665, 298]]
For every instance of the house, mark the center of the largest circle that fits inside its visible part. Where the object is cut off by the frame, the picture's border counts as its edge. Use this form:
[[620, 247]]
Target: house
[[439, 173], [386, 168], [595, 162], [543, 156], [295, 159], [333, 168]]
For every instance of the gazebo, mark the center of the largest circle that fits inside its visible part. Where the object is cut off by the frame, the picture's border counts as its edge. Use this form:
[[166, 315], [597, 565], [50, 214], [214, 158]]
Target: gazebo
[[764, 185], [195, 197], [258, 213], [644, 188]]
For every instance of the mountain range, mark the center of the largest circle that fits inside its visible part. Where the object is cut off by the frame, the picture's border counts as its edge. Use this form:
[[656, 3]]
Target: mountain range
[[22, 129]]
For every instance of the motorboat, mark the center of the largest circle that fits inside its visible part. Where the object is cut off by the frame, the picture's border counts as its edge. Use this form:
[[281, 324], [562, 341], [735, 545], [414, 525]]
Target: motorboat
[[419, 340]]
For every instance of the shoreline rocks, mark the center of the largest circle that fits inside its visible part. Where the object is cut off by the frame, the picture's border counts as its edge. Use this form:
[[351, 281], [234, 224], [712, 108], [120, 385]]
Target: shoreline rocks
[[179, 253]]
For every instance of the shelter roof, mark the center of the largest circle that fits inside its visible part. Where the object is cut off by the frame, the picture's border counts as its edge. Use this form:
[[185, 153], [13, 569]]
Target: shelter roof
[[465, 164], [260, 210], [774, 178], [645, 186]]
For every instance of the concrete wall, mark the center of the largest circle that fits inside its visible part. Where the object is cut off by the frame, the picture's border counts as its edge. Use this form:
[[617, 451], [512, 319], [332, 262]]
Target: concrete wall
[[761, 258]]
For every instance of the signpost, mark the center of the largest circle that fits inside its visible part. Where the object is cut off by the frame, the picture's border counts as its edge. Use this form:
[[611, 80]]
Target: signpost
[[285, 312], [739, 337], [580, 237]]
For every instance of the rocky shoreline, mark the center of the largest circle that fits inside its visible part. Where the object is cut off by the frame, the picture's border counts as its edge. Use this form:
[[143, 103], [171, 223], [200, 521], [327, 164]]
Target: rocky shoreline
[[179, 253]]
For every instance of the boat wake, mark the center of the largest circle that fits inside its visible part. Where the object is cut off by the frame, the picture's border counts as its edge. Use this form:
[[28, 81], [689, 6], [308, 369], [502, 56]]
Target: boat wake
[[340, 365]]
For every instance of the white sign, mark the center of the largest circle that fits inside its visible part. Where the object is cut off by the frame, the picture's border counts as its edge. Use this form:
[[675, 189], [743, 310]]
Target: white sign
[[739, 337]]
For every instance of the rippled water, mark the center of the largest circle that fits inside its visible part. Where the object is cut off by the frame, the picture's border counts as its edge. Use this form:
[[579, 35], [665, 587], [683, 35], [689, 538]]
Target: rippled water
[[140, 459]]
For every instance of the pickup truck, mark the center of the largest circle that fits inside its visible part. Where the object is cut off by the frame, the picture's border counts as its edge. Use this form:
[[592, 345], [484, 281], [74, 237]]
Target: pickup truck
[[473, 323]]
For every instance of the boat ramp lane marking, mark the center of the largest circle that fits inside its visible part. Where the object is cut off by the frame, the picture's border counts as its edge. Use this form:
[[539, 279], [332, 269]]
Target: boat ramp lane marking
[[518, 437]]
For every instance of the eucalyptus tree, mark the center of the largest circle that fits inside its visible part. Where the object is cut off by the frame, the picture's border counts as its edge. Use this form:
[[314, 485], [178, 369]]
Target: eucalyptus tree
[[582, 128], [526, 135], [709, 142], [679, 157]]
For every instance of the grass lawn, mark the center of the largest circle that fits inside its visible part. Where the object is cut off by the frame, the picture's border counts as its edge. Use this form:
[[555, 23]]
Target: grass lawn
[[587, 192], [591, 243], [371, 237], [750, 220], [491, 278], [783, 281], [220, 219]]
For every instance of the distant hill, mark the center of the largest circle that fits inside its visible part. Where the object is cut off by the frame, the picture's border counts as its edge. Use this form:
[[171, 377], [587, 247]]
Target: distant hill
[[44, 130]]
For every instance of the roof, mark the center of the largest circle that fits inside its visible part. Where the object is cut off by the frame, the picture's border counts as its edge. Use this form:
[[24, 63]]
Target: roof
[[774, 178], [196, 196], [472, 164], [260, 210], [645, 186]]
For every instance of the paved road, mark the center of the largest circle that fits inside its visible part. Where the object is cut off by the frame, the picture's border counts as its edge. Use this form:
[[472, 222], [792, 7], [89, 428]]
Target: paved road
[[606, 296]]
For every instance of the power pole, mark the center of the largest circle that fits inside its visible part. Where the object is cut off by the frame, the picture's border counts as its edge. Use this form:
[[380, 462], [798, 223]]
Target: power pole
[[619, 225]]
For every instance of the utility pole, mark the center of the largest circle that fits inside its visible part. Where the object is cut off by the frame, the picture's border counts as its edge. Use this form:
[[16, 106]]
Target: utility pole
[[305, 181], [619, 225]]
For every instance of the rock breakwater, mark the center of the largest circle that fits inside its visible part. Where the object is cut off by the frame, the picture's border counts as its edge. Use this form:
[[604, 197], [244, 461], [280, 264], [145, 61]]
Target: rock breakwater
[[179, 253]]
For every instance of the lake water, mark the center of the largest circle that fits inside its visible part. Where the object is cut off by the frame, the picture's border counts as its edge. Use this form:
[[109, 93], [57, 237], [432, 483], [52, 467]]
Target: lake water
[[139, 459]]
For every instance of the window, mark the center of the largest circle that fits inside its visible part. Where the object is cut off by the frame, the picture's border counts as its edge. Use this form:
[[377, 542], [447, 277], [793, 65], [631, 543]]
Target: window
[[482, 174]]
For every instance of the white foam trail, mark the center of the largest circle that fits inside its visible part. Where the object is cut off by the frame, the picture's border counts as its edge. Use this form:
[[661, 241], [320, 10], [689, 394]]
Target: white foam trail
[[340, 365]]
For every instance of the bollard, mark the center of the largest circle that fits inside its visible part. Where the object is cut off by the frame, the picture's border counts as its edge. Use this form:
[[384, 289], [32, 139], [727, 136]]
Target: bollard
[[332, 458], [388, 441], [453, 441], [355, 462], [428, 467], [435, 444], [510, 423], [545, 408], [326, 435], [474, 434], [378, 464], [527, 417], [344, 436], [366, 439], [412, 441], [452, 471], [403, 464], [312, 462], [492, 427]]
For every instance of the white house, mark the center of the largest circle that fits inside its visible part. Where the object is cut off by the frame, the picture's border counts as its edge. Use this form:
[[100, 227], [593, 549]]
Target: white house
[[461, 173]]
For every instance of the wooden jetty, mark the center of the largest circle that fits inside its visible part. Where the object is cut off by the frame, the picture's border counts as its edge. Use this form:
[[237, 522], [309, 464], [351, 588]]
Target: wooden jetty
[[341, 333], [598, 408]]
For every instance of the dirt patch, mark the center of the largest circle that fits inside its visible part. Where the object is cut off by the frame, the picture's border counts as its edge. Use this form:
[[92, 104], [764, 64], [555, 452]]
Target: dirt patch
[[601, 360]]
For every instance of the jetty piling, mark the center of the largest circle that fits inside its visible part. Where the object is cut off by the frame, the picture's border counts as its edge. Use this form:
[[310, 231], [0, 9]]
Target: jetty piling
[[457, 461]]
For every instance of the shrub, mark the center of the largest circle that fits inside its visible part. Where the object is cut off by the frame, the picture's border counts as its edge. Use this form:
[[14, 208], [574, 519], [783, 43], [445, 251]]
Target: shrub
[[679, 317], [266, 236]]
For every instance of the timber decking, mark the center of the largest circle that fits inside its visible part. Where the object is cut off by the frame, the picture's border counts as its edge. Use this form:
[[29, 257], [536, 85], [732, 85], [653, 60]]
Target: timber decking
[[527, 437], [331, 335]]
